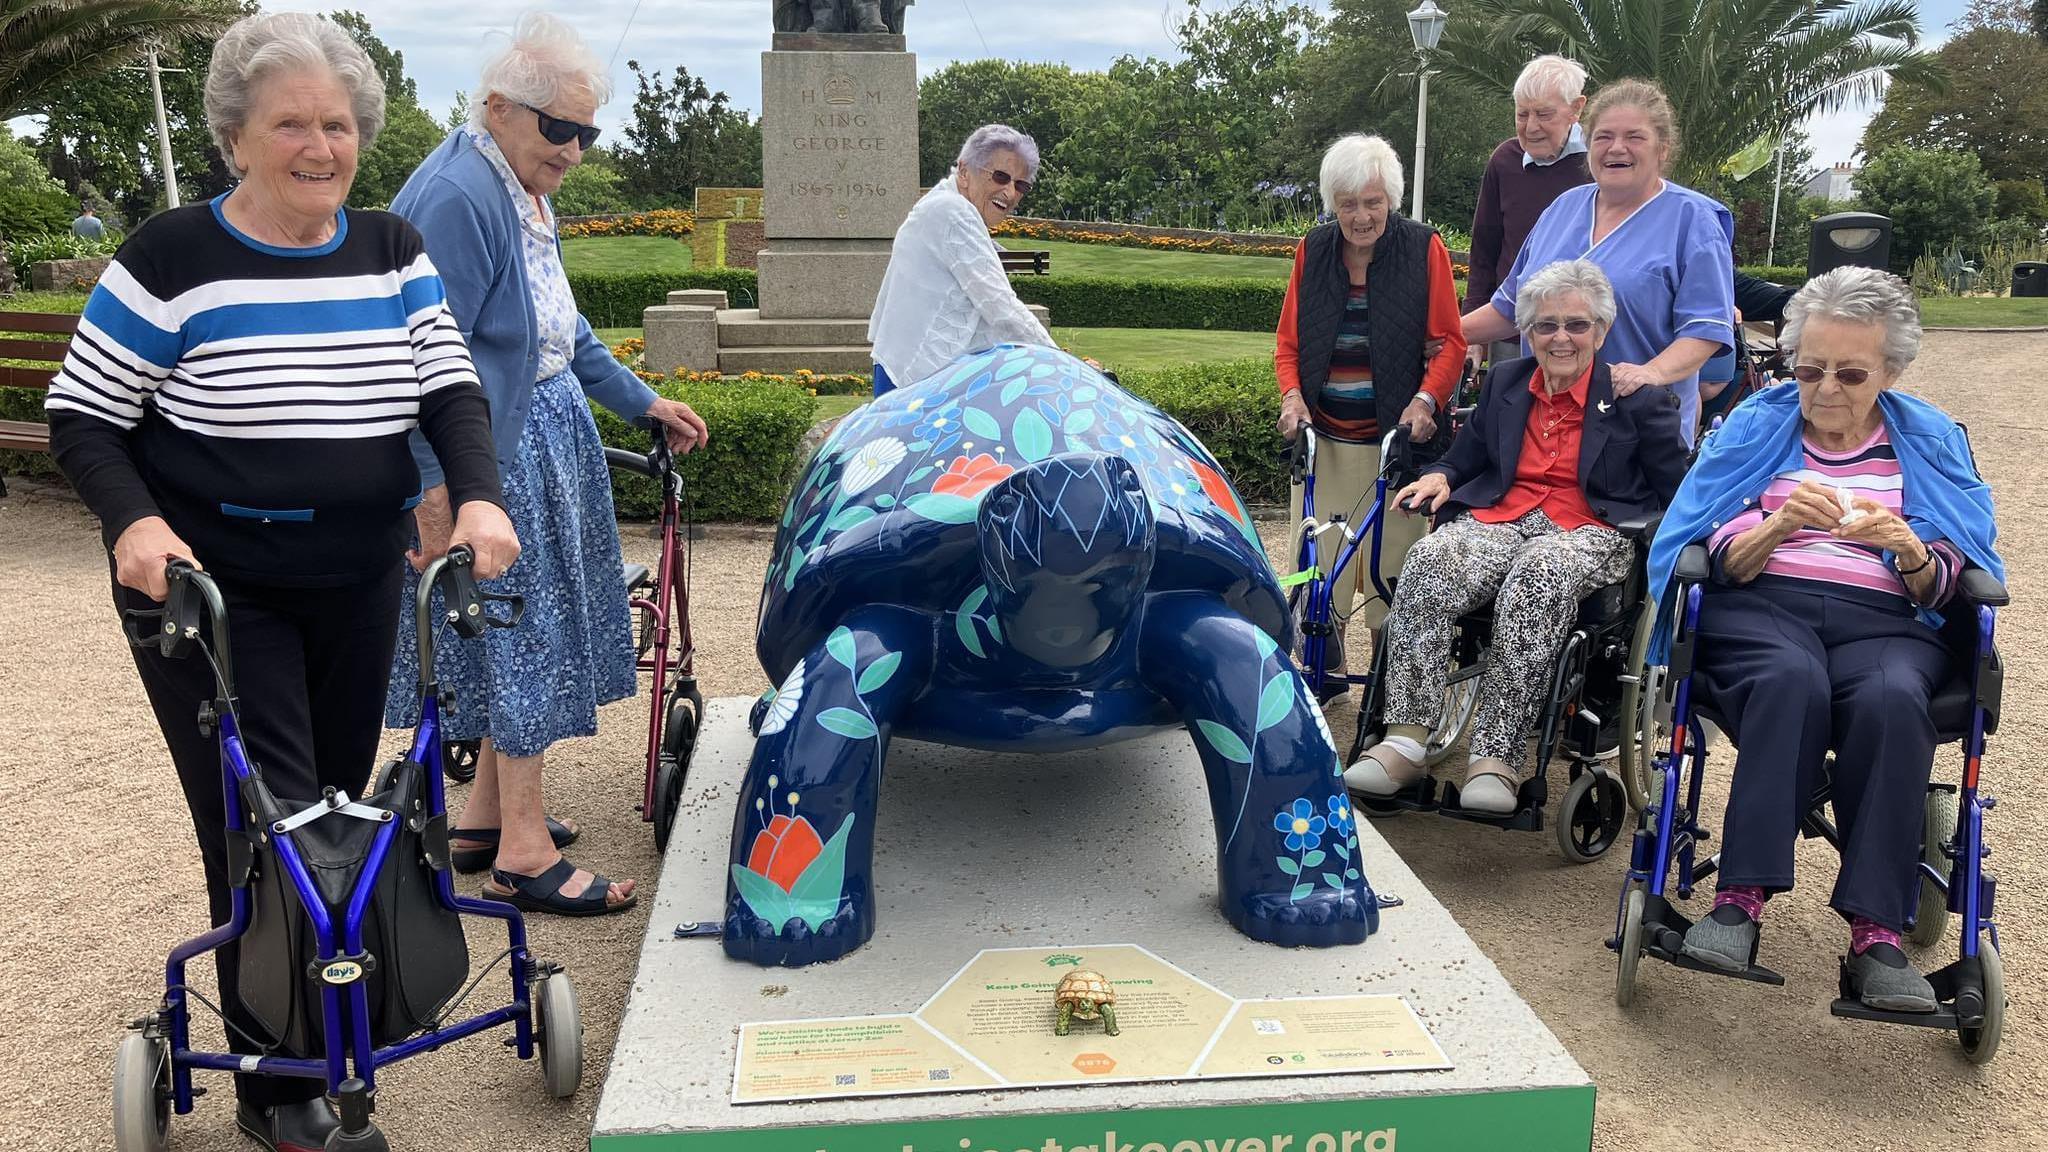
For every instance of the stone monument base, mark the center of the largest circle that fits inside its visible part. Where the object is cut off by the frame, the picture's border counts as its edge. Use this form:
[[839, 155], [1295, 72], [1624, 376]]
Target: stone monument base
[[980, 850], [695, 331], [820, 279]]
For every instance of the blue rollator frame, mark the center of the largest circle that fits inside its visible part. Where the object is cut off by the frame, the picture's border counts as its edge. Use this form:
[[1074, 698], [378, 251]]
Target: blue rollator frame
[[1970, 991], [351, 1061], [1313, 590]]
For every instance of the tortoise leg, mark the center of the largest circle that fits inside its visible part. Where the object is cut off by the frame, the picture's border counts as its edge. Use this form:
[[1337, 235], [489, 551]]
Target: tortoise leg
[[1109, 1020], [1065, 1023], [1287, 859], [800, 889]]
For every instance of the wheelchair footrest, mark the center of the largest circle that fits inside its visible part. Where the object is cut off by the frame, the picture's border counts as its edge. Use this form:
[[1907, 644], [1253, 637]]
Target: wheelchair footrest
[[1417, 797], [1664, 929], [1527, 816], [1849, 1009], [1958, 989]]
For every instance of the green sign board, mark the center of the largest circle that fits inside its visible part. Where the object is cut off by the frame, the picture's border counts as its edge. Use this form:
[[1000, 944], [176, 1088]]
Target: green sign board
[[1542, 1120]]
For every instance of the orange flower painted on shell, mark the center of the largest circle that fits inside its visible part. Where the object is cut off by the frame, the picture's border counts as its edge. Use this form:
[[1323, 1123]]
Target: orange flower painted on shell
[[964, 477], [784, 849], [1218, 489]]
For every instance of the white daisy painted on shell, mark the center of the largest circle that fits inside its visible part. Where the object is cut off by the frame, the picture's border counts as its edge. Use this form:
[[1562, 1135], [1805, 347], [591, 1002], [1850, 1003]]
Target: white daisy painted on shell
[[782, 708], [870, 462]]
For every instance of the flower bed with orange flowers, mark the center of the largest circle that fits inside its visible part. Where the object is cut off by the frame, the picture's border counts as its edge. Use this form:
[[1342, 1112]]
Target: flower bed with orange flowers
[[673, 222]]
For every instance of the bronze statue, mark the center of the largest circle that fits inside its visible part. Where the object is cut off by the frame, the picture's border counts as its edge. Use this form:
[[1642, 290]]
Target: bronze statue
[[840, 15]]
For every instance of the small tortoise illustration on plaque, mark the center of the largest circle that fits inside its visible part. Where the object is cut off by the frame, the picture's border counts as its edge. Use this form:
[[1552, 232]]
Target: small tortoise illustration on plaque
[[1085, 995]]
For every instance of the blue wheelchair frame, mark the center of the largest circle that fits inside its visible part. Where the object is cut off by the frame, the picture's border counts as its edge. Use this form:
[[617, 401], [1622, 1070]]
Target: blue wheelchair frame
[[350, 1064], [1971, 990]]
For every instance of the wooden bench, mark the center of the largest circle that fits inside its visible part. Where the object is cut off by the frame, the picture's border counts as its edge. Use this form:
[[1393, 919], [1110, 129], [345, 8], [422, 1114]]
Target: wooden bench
[[45, 357], [1027, 263]]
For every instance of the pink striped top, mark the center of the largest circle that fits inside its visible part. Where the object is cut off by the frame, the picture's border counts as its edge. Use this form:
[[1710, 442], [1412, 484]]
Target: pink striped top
[[1870, 471]]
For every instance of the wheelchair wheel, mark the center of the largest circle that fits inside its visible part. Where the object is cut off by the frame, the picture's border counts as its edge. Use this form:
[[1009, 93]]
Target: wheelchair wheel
[[558, 1029], [1930, 922], [1980, 1044], [1630, 948], [142, 1094], [1589, 818], [1646, 726], [1461, 701], [458, 759]]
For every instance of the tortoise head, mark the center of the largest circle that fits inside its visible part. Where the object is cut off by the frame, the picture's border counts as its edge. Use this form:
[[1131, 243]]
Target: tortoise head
[[1066, 550]]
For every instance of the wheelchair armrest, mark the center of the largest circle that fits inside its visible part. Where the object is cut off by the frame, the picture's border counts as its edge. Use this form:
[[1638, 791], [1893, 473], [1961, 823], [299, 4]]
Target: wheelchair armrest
[[1640, 529], [1694, 565], [1982, 587]]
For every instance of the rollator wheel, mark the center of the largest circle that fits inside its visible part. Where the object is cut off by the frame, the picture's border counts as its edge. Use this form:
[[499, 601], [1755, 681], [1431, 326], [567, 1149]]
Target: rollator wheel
[[142, 1094], [678, 744], [1631, 950], [458, 759], [1931, 921], [558, 1029], [1980, 1044], [1644, 732], [1590, 816]]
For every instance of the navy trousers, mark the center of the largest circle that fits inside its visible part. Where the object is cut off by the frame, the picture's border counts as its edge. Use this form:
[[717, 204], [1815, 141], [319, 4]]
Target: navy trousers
[[1798, 674]]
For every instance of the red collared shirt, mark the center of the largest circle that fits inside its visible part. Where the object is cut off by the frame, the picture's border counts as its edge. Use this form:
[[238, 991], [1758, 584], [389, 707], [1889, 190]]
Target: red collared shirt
[[1547, 475]]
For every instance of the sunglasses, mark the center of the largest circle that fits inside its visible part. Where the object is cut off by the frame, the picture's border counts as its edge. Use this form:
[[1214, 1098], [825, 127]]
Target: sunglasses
[[558, 132], [1549, 327], [1004, 179], [1814, 373]]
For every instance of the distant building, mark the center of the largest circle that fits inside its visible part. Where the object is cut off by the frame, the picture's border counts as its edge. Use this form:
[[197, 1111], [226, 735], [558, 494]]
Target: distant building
[[1837, 183]]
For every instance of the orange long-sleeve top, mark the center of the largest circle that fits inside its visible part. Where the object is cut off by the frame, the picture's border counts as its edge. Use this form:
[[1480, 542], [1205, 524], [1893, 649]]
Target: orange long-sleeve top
[[1438, 379]]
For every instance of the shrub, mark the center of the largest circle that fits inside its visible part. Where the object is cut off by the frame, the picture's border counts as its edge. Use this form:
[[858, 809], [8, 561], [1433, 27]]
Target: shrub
[[1239, 304], [1232, 407], [1935, 198], [33, 249], [1791, 275], [27, 210], [1116, 236], [615, 300], [745, 471]]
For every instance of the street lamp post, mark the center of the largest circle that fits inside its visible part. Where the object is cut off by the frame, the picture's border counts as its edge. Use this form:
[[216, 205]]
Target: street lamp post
[[1425, 27]]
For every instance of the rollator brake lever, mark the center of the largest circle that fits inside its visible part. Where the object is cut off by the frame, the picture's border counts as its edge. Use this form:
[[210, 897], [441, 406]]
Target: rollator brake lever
[[465, 601]]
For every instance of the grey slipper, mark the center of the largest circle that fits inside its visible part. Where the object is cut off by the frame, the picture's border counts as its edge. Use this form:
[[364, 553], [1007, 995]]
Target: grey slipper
[[1725, 940], [1886, 980]]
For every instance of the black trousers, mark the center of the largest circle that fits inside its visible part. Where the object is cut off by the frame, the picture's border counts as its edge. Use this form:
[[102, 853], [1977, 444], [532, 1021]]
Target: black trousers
[[1798, 674], [310, 666]]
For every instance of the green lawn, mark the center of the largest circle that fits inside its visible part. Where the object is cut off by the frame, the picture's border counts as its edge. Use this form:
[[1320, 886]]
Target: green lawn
[[1129, 349], [1109, 260], [625, 254], [1983, 311]]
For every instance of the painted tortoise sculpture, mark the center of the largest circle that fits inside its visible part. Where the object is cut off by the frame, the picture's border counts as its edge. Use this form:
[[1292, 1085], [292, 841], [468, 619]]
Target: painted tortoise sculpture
[[1084, 995], [1015, 554]]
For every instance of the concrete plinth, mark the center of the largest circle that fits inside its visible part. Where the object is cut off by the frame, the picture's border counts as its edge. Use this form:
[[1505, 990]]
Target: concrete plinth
[[821, 279], [1115, 845], [680, 337], [699, 298]]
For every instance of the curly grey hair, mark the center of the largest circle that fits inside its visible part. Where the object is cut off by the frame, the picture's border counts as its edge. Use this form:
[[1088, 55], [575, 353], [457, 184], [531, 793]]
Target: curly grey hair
[[1355, 161], [1859, 296], [990, 139], [255, 48], [1564, 276], [544, 59]]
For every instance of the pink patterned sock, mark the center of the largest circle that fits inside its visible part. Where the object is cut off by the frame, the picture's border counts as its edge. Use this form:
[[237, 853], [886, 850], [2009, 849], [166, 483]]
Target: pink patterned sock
[[1747, 897], [1863, 933]]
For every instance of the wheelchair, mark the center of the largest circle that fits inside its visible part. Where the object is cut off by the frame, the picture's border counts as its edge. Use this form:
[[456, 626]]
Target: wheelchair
[[1673, 752], [1581, 715]]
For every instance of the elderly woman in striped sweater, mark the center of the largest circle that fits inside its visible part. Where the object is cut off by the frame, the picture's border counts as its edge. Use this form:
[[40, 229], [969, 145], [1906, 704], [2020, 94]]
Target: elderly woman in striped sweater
[[240, 394]]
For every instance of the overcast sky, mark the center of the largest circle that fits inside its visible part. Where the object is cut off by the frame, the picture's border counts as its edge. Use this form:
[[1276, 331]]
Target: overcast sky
[[722, 41]]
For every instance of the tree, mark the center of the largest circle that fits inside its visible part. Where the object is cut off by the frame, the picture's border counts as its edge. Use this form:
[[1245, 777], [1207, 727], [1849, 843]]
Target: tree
[[390, 64], [683, 134], [1933, 197], [592, 188], [30, 201], [458, 113], [1991, 100], [1749, 200], [1040, 100], [409, 132], [1733, 69], [48, 45]]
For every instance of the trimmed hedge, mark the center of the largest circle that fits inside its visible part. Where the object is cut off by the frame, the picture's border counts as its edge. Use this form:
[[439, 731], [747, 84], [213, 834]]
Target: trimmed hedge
[[1790, 275], [745, 472], [1234, 303], [616, 300], [1232, 407]]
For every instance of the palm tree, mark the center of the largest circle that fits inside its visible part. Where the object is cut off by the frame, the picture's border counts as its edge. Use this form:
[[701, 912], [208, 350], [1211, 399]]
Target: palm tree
[[1734, 69], [46, 45]]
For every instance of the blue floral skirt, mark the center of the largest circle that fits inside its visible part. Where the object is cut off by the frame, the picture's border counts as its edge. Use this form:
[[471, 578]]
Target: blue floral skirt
[[530, 686]]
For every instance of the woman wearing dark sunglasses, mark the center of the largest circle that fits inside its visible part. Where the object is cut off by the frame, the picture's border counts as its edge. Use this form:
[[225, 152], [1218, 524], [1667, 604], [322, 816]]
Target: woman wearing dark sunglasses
[[481, 201], [1839, 514], [945, 292]]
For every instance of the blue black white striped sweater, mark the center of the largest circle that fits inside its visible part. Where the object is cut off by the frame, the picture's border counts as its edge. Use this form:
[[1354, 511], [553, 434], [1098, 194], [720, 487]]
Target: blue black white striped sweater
[[260, 398]]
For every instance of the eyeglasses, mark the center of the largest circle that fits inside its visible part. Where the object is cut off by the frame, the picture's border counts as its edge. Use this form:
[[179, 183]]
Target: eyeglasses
[[1577, 327], [558, 131], [1814, 373], [1004, 179]]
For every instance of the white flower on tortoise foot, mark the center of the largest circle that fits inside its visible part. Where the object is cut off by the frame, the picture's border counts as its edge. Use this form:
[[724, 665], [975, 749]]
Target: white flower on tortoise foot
[[782, 706], [869, 463]]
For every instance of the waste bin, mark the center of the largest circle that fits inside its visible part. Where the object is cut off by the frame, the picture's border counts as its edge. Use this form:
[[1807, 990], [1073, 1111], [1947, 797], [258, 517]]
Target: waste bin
[[2030, 278], [1845, 239]]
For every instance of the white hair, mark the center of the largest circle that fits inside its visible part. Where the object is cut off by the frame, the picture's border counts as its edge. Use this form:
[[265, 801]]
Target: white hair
[[984, 142], [1859, 296], [1562, 278], [1550, 76], [255, 48], [1355, 161], [543, 60]]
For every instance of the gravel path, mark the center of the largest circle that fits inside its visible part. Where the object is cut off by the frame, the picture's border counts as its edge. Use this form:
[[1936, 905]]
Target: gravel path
[[109, 879]]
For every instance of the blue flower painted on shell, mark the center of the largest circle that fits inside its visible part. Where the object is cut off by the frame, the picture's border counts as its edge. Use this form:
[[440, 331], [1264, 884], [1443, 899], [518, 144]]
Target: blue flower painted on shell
[[1303, 827], [939, 427], [1133, 444], [1340, 814]]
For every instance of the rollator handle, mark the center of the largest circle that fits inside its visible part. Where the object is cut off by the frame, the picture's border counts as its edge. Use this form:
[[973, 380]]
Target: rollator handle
[[192, 600], [466, 602]]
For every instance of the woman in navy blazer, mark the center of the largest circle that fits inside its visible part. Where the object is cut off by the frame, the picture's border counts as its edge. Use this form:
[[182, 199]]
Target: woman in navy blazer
[[1528, 501]]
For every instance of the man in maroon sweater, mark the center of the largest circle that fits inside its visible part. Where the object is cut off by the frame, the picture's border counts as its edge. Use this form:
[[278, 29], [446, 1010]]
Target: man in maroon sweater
[[1545, 156]]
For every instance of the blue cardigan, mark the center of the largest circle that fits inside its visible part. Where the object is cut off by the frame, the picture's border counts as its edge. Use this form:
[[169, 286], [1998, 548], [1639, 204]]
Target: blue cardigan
[[1944, 496], [457, 201]]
